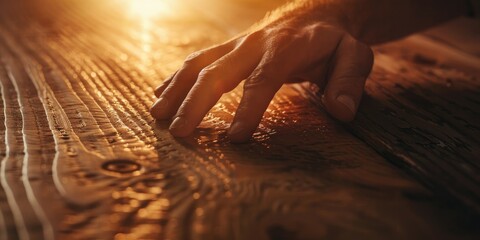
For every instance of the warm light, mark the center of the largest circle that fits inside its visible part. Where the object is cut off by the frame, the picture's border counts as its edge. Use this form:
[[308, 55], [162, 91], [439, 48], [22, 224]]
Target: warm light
[[149, 9]]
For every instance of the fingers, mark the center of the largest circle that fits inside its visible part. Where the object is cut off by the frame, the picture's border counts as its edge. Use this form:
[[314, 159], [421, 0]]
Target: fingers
[[259, 89], [287, 53], [175, 92], [159, 90], [351, 66], [220, 77]]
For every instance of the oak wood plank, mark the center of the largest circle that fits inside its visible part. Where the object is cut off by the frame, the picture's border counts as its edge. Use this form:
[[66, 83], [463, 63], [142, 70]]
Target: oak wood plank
[[102, 168]]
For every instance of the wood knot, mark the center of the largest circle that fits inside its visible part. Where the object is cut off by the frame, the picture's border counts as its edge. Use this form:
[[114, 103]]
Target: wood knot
[[122, 167]]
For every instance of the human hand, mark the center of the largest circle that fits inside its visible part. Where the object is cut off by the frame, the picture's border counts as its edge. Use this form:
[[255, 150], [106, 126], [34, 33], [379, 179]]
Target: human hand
[[310, 41], [283, 51]]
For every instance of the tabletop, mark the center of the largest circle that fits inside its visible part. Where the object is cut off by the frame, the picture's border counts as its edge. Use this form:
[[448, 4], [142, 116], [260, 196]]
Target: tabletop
[[81, 157]]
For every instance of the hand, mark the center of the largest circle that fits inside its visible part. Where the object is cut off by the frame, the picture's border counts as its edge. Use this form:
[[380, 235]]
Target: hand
[[280, 52], [307, 41]]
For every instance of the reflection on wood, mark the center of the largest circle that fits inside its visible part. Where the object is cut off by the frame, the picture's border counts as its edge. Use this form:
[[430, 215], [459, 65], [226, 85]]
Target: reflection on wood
[[424, 114], [83, 159]]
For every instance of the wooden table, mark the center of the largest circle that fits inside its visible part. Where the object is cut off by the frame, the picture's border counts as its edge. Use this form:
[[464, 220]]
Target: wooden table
[[81, 158]]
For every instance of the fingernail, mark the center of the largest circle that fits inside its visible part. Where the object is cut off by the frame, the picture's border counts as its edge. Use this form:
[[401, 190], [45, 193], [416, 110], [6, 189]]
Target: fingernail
[[159, 107], [157, 91], [348, 102], [178, 125]]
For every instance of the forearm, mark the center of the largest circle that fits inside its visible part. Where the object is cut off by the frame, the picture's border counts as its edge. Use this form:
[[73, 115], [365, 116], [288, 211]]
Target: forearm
[[374, 21], [387, 20]]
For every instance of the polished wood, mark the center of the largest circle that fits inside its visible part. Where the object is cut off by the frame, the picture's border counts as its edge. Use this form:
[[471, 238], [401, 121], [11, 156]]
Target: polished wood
[[422, 112], [83, 159]]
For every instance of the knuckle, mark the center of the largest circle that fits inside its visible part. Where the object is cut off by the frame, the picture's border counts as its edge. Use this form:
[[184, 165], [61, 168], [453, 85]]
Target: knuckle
[[207, 72], [255, 36], [258, 78], [330, 34], [285, 34], [282, 41], [252, 82], [209, 76], [194, 58], [325, 27], [286, 31], [316, 26]]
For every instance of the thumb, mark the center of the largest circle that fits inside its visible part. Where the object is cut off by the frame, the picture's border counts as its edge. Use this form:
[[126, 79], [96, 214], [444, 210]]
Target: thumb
[[351, 66]]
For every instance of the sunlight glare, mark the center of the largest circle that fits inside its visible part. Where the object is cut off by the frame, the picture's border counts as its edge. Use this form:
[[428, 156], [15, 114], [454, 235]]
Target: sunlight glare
[[149, 9]]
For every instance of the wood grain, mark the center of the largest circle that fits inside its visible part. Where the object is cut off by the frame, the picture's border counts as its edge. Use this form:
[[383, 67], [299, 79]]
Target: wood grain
[[83, 159], [422, 112]]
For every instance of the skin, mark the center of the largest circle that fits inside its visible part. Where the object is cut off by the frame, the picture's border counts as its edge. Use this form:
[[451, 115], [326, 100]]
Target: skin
[[326, 42]]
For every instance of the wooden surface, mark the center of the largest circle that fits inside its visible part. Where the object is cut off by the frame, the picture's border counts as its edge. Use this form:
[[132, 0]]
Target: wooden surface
[[83, 159], [422, 112]]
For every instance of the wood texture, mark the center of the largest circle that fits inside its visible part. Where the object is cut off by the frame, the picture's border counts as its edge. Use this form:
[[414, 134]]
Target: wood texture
[[83, 159], [422, 112]]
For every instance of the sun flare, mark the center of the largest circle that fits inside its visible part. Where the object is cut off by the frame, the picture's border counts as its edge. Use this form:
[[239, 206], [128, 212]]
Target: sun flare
[[150, 9]]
